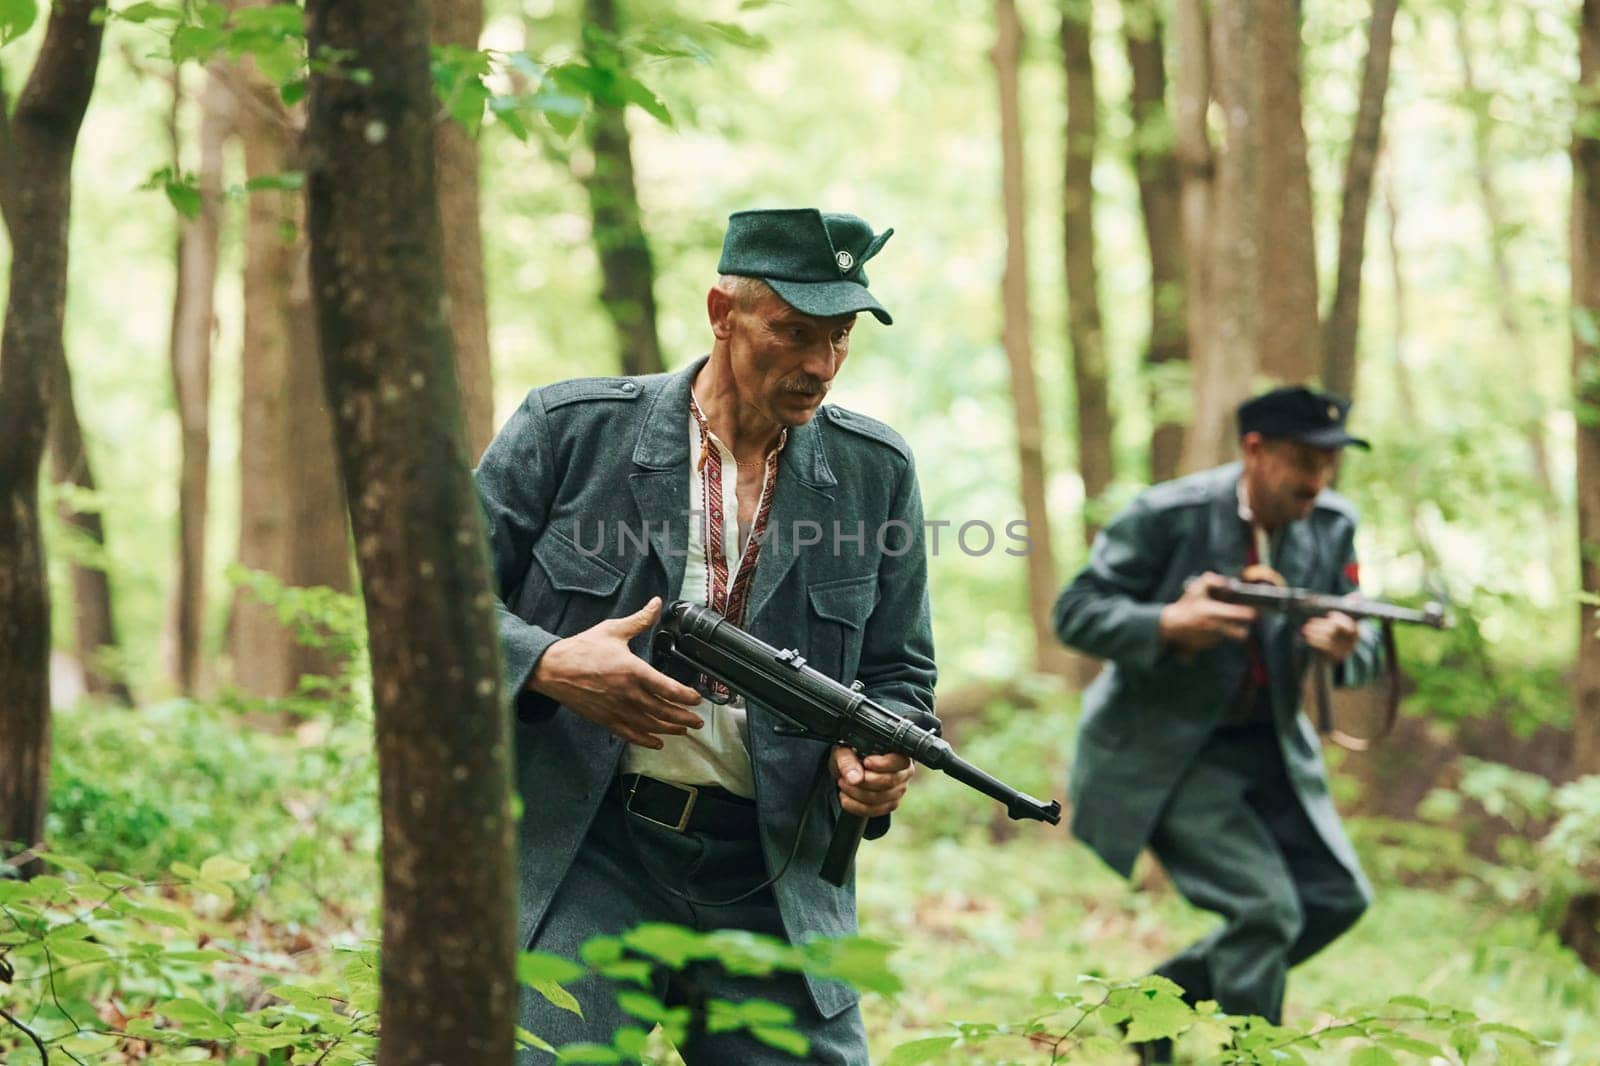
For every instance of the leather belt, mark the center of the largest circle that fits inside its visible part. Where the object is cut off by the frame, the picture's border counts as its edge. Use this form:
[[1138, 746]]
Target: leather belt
[[688, 808]]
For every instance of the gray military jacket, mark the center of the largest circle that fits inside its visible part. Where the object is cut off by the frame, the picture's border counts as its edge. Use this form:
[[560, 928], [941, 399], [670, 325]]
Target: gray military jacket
[[1150, 711], [585, 491]]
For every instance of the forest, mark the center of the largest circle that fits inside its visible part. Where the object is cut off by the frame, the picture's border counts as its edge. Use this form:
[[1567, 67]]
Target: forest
[[277, 273]]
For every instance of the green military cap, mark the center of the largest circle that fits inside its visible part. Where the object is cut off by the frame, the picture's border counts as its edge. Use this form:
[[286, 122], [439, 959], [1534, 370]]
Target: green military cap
[[811, 259]]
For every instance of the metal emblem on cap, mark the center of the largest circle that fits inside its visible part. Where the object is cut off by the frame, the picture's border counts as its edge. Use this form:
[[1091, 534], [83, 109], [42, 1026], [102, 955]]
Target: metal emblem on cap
[[1333, 413], [845, 261]]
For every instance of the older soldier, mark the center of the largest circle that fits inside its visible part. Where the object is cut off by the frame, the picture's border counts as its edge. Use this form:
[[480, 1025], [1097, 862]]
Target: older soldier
[[1191, 739], [645, 799]]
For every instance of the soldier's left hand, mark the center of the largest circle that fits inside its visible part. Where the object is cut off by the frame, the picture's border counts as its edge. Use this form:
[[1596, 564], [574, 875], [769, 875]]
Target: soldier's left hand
[[1333, 634], [870, 786]]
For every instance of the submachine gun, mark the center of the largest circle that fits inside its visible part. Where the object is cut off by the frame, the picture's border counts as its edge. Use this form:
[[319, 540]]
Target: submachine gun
[[1301, 604], [695, 640]]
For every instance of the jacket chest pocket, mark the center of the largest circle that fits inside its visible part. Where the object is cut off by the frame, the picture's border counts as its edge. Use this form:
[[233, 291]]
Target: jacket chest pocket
[[839, 613], [567, 590]]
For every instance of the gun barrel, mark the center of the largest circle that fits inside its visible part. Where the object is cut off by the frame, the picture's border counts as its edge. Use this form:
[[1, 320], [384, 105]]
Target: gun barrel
[[1303, 601], [785, 684]]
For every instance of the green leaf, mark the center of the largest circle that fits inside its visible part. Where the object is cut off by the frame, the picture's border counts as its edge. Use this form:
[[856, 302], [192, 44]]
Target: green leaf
[[222, 868], [90, 1043], [146, 12], [642, 1005], [737, 35], [159, 916], [1154, 1014], [557, 996], [196, 1018], [1411, 1001], [68, 863], [782, 1039], [1410, 1043], [672, 944], [588, 1053], [1372, 1056], [1499, 1029], [293, 92], [635, 91], [542, 966], [276, 20], [198, 43], [527, 1039], [16, 16], [928, 1049], [78, 952]]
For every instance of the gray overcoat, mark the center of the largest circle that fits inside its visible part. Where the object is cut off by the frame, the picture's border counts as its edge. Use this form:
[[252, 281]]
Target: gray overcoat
[[1150, 710], [585, 492]]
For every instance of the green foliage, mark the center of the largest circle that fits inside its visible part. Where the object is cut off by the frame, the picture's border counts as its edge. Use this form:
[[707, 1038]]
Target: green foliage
[[1091, 1023], [16, 16]]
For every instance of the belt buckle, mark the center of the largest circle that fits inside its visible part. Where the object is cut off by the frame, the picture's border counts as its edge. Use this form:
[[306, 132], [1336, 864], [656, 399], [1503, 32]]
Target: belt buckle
[[691, 791]]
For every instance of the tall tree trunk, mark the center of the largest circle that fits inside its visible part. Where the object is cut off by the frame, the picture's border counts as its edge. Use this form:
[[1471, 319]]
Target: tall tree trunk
[[1017, 338], [626, 268], [36, 147], [193, 324], [1586, 388], [460, 22], [1505, 287], [1155, 163], [448, 993], [1219, 374], [94, 624], [1084, 329], [1342, 328], [292, 522], [1263, 257], [1288, 321]]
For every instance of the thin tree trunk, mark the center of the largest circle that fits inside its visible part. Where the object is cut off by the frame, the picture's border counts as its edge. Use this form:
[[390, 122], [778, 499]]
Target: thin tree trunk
[[94, 624], [1586, 391], [1342, 328], [1288, 324], [448, 993], [1155, 164], [1405, 388], [292, 522], [1505, 288], [36, 148], [626, 267], [1017, 339], [1262, 254], [1084, 329], [460, 22], [1219, 373], [193, 325]]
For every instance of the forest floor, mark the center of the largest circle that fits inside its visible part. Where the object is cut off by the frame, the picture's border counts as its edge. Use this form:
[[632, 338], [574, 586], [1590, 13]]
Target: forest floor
[[989, 918]]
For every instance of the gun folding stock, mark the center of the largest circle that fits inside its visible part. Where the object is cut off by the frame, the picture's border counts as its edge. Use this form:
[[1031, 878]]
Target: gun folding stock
[[695, 642]]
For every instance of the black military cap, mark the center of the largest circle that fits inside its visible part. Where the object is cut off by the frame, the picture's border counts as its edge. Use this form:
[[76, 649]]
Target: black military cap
[[812, 260], [1300, 414]]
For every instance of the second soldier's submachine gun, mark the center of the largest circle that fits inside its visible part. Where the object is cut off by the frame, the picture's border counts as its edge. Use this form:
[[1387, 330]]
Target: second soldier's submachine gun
[[696, 640], [1300, 604]]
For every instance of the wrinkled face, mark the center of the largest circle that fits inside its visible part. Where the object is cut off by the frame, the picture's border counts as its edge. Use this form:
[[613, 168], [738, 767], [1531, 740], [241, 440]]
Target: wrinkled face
[[783, 360], [1284, 477]]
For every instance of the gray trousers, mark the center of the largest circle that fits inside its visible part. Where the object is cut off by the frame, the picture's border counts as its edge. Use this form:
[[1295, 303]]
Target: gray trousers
[[1235, 840], [613, 885]]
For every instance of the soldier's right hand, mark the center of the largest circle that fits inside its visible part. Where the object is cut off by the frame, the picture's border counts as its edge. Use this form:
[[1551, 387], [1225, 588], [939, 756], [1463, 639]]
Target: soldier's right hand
[[1195, 621], [596, 675]]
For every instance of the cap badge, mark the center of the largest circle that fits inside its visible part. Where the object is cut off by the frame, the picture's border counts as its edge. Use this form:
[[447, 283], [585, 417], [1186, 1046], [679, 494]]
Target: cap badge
[[845, 261], [1333, 413]]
